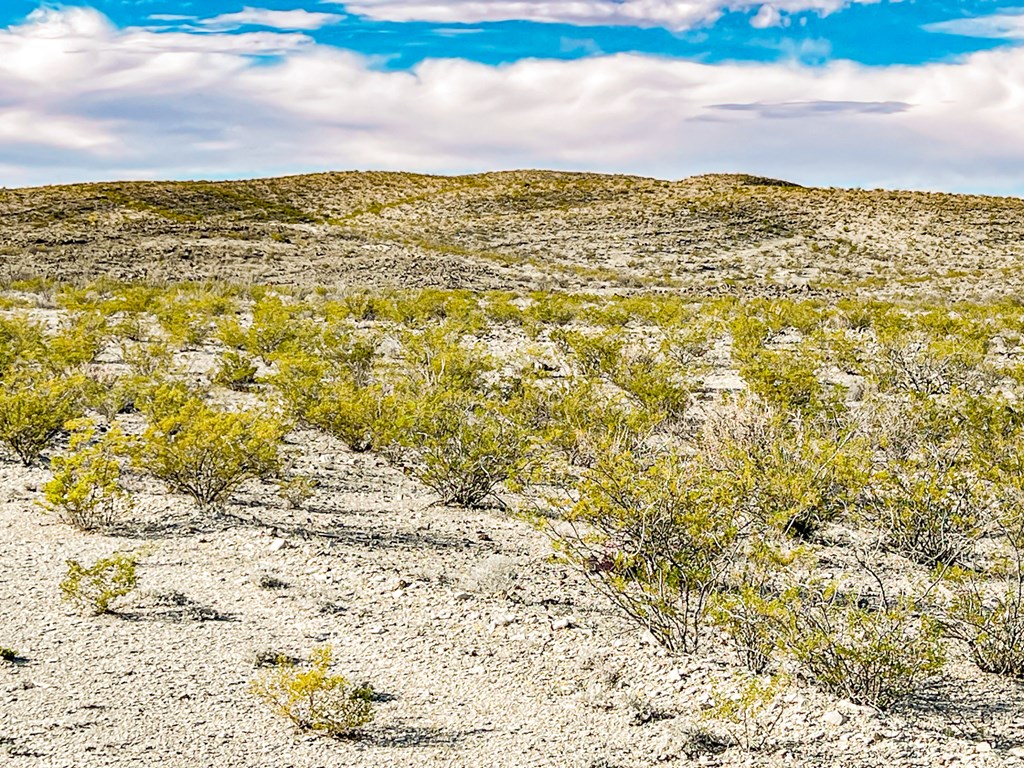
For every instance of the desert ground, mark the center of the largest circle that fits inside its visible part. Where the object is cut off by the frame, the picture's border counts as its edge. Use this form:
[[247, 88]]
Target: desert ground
[[598, 320]]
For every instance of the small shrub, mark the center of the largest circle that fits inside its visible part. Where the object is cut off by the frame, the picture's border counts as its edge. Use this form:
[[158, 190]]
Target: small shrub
[[926, 508], [236, 371], [750, 711], [348, 412], [871, 655], [206, 453], [34, 409], [459, 445], [8, 654], [95, 587], [651, 536], [313, 698], [86, 490]]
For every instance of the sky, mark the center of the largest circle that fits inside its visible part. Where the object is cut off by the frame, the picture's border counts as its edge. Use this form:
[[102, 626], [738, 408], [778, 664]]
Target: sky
[[908, 94]]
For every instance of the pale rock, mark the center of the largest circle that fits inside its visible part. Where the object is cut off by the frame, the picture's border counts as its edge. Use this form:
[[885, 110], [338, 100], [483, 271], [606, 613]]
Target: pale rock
[[277, 544], [834, 718], [558, 624]]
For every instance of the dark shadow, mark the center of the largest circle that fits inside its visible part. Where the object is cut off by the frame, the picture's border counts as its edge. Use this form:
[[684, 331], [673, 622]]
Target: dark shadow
[[173, 607], [989, 715], [311, 530], [413, 736]]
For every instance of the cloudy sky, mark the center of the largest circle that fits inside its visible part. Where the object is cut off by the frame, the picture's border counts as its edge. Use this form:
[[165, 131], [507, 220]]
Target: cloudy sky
[[923, 94]]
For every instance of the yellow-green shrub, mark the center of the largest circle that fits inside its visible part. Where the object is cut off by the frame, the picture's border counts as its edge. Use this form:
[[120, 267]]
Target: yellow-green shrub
[[313, 698], [86, 489], [34, 409], [97, 586], [207, 453]]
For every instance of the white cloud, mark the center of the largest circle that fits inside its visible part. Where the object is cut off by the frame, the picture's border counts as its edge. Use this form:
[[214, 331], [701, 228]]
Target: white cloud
[[767, 16], [672, 14], [261, 17], [80, 99], [1008, 26]]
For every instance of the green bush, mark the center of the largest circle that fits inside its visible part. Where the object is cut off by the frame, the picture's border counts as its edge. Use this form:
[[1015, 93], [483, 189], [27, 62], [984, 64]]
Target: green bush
[[86, 489], [236, 371], [313, 698], [8, 654], [461, 446], [653, 537], [207, 453], [790, 475], [352, 414], [928, 508], [874, 655], [96, 587], [34, 409]]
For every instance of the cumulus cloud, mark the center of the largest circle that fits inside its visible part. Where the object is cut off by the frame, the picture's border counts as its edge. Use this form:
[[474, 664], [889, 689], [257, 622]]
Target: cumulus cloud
[[1007, 26], [81, 99], [672, 14]]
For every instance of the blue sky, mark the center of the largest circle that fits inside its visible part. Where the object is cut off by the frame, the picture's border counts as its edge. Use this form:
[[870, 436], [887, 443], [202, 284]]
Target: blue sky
[[869, 93]]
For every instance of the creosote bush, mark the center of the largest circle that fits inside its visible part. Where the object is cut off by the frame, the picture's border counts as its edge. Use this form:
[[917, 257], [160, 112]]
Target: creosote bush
[[875, 655], [34, 409], [96, 587], [86, 489], [313, 698], [207, 453], [460, 445], [652, 536]]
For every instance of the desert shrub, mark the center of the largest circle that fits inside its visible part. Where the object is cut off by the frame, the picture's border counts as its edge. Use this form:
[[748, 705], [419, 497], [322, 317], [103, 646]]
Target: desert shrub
[[300, 381], [439, 358], [34, 408], [20, 340], [8, 654], [86, 489], [313, 698], [236, 371], [786, 380], [987, 610], [593, 355], [572, 421], [274, 323], [750, 709], [349, 353], [500, 307], [351, 413], [656, 386], [652, 536], [874, 655], [207, 453], [930, 508], [912, 363], [551, 309], [789, 474], [78, 341], [460, 445], [96, 587]]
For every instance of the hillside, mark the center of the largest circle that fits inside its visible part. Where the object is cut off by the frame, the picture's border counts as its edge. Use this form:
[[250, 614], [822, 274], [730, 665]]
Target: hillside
[[523, 229]]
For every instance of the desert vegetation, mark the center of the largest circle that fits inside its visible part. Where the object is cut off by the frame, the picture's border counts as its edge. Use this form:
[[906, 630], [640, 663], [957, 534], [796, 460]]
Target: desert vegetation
[[820, 495]]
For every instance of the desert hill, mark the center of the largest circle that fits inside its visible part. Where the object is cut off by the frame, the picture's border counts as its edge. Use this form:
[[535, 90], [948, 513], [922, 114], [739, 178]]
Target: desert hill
[[520, 229]]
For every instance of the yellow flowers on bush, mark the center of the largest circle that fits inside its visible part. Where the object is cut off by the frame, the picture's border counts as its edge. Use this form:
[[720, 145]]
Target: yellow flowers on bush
[[313, 698], [86, 489]]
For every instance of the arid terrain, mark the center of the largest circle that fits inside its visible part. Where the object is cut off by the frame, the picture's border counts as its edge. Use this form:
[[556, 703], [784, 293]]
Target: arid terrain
[[520, 230], [475, 402]]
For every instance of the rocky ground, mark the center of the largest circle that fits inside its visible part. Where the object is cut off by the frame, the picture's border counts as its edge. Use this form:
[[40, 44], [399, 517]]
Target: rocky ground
[[482, 651], [520, 230]]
